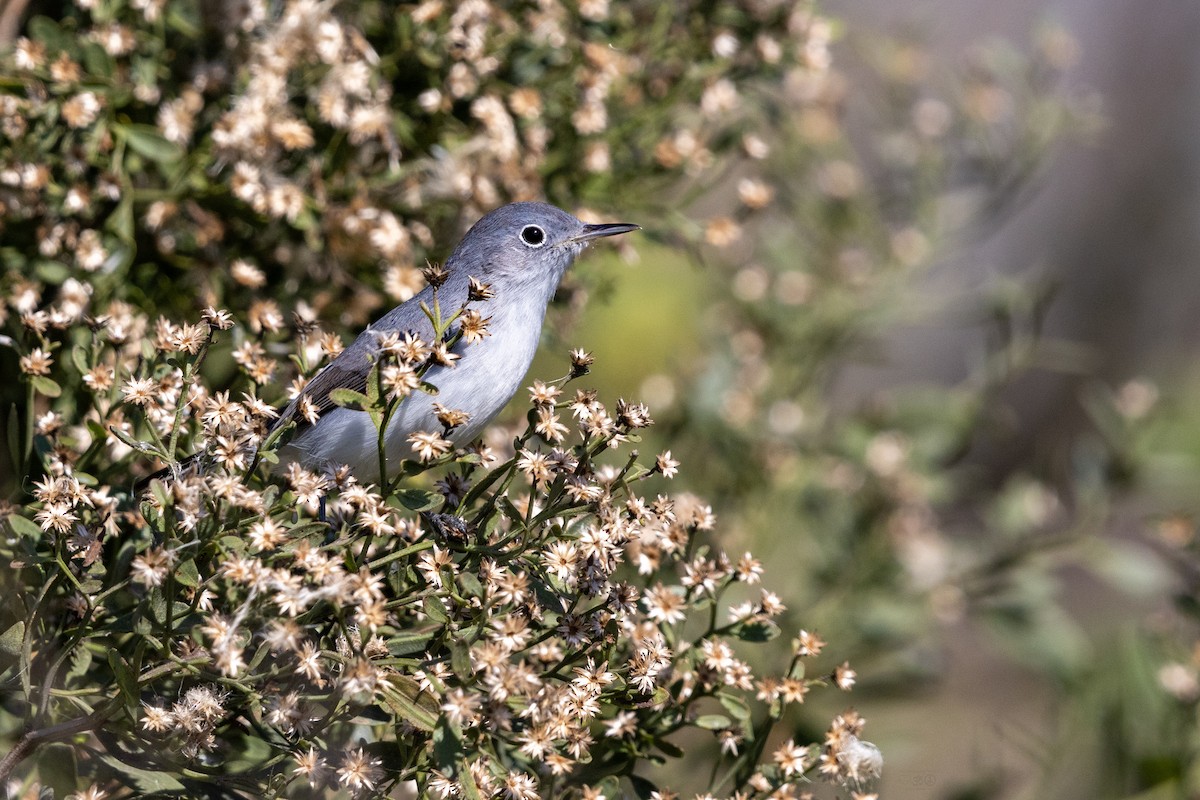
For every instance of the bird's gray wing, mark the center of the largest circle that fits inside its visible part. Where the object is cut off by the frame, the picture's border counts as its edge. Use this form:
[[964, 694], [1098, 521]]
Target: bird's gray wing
[[349, 371], [351, 368]]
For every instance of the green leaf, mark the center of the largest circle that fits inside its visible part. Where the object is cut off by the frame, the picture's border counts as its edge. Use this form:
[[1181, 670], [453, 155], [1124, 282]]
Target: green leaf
[[137, 444], [470, 791], [145, 140], [81, 660], [447, 745], [147, 781], [435, 609], [713, 722], [79, 357], [13, 433], [757, 631], [187, 575], [247, 753], [96, 61], [126, 682], [306, 529], [373, 386], [404, 697], [642, 787], [403, 644], [470, 585], [348, 398], [46, 386], [24, 527], [735, 706], [460, 659], [417, 499], [670, 748], [180, 17], [11, 640], [47, 31], [120, 221], [54, 272]]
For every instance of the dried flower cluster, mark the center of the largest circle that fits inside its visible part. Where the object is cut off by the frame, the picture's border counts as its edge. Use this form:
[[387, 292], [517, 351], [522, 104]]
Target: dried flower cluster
[[316, 144], [516, 622]]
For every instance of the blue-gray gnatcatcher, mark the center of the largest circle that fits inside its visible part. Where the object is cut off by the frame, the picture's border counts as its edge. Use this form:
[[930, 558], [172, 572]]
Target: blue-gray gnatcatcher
[[521, 250]]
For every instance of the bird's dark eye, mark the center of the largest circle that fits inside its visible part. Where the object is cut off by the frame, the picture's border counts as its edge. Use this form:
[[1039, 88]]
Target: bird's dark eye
[[533, 236]]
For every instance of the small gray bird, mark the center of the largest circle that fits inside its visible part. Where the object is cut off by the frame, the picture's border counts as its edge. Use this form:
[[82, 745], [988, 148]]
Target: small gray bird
[[522, 250]]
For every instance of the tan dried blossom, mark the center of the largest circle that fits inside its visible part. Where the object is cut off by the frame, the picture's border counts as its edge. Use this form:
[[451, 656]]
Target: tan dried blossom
[[309, 764], [501, 133], [265, 316], [581, 363], [442, 355], [722, 232], [29, 55], [292, 134], [536, 467], [377, 519], [36, 362], [633, 415], [151, 567], [81, 110], [359, 771], [90, 253], [157, 719], [543, 394], [808, 644], [474, 326], [844, 677], [57, 517], [450, 418], [664, 605], [49, 423], [140, 391], [590, 119], [176, 121], [548, 425], [100, 378], [755, 194], [308, 486], [719, 99], [285, 200], [791, 758], [429, 446], [755, 147], [526, 103], [431, 563], [401, 282], [400, 380], [116, 39], [597, 158]]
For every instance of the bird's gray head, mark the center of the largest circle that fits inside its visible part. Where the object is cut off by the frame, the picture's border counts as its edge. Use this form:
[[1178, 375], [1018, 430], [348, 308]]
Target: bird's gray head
[[526, 245]]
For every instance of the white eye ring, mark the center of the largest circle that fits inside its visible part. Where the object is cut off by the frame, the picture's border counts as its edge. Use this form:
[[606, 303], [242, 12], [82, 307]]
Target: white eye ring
[[533, 236]]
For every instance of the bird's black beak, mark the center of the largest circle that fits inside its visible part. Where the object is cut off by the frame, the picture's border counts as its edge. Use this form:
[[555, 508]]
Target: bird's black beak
[[599, 229]]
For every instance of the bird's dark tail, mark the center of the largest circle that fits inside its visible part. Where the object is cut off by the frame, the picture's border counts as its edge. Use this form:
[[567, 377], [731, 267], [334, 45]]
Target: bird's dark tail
[[185, 466]]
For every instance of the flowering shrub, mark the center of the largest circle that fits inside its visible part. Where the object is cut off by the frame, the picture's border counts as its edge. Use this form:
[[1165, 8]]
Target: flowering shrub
[[511, 621]]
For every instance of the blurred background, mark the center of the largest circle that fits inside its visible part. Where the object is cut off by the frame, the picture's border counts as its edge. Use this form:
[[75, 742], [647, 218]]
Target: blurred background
[[1108, 228]]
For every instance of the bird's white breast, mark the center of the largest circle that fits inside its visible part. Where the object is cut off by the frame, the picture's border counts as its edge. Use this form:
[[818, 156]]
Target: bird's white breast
[[481, 383]]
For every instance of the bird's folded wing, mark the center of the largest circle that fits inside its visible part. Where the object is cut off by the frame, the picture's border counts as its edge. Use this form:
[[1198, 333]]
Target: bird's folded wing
[[347, 371]]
